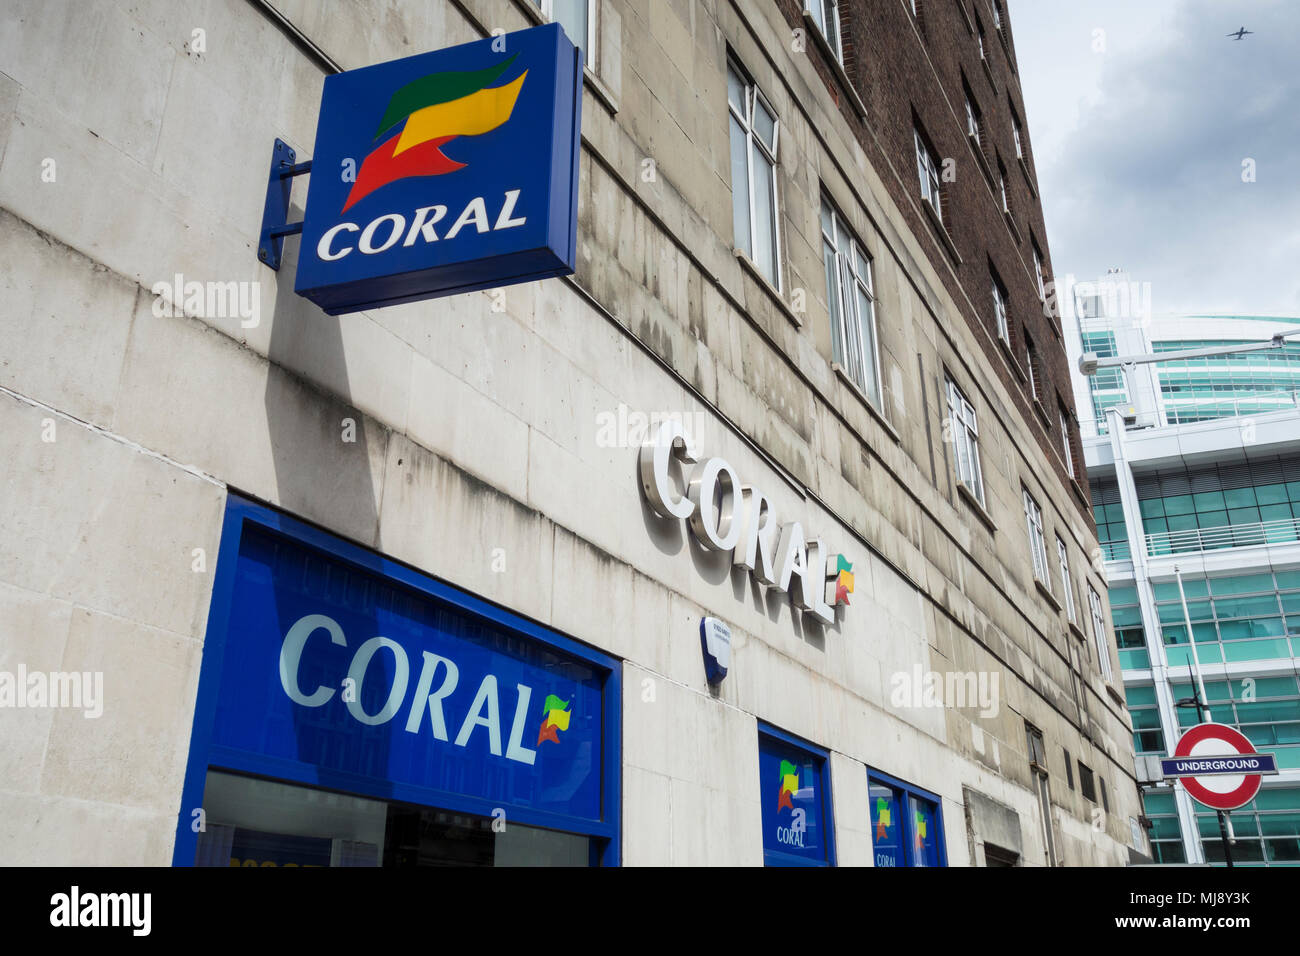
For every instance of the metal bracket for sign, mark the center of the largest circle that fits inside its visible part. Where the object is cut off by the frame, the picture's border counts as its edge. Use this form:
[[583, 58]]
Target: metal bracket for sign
[[276, 211]]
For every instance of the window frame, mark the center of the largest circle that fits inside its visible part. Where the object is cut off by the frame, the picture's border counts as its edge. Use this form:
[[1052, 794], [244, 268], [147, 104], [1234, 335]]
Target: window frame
[[754, 97], [1067, 583], [834, 40], [547, 9], [1066, 444], [1001, 310], [822, 755], [1037, 542], [1099, 634], [847, 273], [906, 790], [928, 173], [961, 413]]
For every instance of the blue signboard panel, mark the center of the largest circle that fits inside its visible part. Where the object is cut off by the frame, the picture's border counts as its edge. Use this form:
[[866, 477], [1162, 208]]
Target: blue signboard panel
[[795, 801], [445, 172], [328, 665], [1220, 764]]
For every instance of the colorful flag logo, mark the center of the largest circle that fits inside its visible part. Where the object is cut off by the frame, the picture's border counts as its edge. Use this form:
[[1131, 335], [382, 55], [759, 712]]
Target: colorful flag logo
[[920, 830], [789, 785], [883, 818], [431, 112], [556, 719], [843, 580]]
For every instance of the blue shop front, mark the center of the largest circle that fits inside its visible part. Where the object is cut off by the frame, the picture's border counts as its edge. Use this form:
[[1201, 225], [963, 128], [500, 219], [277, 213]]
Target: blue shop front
[[354, 712]]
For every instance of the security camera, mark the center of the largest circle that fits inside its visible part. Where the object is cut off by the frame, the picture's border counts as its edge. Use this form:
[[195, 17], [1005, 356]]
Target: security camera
[[1088, 363]]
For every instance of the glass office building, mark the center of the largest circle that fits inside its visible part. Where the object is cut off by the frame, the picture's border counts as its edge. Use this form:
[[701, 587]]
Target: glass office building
[[1206, 453]]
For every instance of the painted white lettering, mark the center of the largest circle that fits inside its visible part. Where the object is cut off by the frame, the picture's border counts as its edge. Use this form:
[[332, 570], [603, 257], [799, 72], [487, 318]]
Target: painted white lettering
[[323, 247], [367, 246], [401, 676], [291, 655]]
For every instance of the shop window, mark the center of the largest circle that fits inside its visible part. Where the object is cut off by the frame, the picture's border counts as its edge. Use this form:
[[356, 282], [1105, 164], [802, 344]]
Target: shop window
[[794, 793], [906, 823], [353, 712]]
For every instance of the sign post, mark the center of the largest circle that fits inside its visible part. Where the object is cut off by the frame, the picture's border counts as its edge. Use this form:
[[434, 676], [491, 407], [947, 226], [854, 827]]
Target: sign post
[[1220, 769]]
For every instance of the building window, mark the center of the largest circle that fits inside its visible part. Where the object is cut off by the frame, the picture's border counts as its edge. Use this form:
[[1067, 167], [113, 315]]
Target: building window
[[906, 823], [1038, 271], [1069, 769], [1034, 521], [1065, 443], [929, 173], [826, 14], [1067, 589], [1031, 363], [997, 14], [1000, 311], [1002, 186], [578, 18], [755, 133], [1101, 788], [1099, 632], [795, 800], [1086, 783], [965, 441], [980, 31], [1015, 135], [851, 301], [1038, 768], [973, 122]]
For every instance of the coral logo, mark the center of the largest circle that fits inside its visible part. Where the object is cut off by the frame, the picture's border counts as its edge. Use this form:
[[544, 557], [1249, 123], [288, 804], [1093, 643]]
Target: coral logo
[[843, 575], [883, 818], [425, 115], [556, 719], [789, 786]]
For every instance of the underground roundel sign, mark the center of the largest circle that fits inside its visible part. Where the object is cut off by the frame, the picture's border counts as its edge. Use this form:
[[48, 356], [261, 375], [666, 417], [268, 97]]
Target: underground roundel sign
[[1218, 766], [444, 172]]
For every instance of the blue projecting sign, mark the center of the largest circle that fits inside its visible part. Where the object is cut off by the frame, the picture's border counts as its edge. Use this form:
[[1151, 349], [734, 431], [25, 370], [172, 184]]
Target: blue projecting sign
[[445, 172]]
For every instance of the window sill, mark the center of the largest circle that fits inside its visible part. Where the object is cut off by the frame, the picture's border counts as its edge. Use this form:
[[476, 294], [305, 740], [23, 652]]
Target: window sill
[[988, 72], [1078, 492], [980, 511], [1115, 695], [876, 413], [1010, 356], [942, 230], [1011, 224], [600, 90], [1042, 413], [810, 26], [1077, 631], [1029, 177], [965, 15], [772, 291], [978, 150], [1044, 590]]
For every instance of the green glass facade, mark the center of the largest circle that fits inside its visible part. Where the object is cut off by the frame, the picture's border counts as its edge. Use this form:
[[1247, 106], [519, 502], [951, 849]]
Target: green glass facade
[[1205, 508], [1244, 383], [1267, 829]]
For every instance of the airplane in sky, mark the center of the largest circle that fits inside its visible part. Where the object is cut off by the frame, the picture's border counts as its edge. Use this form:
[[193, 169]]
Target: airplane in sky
[[1241, 33]]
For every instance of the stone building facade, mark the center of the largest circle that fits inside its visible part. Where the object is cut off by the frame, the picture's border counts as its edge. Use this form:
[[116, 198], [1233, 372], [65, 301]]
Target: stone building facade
[[489, 442]]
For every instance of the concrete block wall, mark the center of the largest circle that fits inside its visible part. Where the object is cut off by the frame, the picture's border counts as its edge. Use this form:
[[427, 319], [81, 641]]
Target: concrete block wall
[[476, 430]]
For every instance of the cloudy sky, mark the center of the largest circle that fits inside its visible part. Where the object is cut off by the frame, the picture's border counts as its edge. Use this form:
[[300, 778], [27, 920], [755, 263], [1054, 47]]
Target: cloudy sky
[[1141, 114]]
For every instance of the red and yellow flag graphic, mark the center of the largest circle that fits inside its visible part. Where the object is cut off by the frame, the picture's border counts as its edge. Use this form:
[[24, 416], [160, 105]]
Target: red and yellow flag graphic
[[433, 111]]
